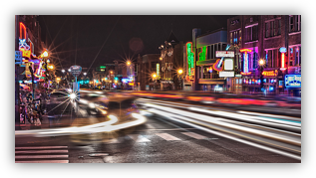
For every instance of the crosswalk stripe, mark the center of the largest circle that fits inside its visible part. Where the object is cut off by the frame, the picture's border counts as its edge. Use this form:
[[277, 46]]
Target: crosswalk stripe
[[40, 156], [138, 138], [167, 136], [42, 151], [44, 161], [194, 135], [41, 147]]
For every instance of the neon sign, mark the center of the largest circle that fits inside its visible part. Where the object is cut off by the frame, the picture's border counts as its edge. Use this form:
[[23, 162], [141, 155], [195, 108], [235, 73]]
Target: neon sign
[[190, 57], [25, 48], [246, 70], [202, 54], [218, 64], [282, 51], [22, 27], [292, 81], [270, 73]]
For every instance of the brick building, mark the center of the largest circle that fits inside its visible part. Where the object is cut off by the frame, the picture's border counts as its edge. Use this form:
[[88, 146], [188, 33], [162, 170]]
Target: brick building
[[255, 37], [145, 67]]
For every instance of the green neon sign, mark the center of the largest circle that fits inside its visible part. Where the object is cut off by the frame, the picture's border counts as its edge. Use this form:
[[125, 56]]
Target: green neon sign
[[102, 67], [202, 54], [190, 57]]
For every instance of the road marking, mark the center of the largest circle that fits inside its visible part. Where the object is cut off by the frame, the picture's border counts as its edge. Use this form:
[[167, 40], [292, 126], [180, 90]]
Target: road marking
[[44, 161], [149, 126], [194, 135], [138, 138], [41, 156], [41, 147], [42, 151], [167, 136]]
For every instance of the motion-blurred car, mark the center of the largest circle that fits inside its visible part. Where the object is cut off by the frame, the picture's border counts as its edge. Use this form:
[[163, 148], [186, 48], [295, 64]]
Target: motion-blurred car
[[60, 104], [93, 103], [123, 108]]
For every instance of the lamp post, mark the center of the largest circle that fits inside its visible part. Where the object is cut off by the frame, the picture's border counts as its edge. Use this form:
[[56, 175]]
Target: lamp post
[[180, 72], [261, 67], [154, 76]]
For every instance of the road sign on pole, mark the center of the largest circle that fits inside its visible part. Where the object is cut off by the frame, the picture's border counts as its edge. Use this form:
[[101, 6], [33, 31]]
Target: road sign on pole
[[75, 70]]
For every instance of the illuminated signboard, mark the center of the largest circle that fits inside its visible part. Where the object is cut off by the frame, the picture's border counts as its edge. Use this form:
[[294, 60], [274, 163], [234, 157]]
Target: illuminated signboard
[[282, 50], [228, 64], [226, 74], [270, 73], [225, 54], [292, 81]]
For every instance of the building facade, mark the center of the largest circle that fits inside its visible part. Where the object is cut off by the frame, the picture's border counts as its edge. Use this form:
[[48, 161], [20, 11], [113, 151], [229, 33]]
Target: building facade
[[171, 61], [146, 66], [276, 39], [199, 60]]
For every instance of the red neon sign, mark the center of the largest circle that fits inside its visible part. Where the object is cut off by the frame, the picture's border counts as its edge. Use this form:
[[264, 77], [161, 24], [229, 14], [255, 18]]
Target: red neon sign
[[282, 62], [22, 26]]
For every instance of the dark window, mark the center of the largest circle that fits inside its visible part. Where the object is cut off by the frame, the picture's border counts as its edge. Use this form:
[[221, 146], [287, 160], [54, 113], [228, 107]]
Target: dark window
[[267, 30], [269, 58], [255, 33], [271, 28], [279, 27], [208, 52], [291, 24], [224, 46]]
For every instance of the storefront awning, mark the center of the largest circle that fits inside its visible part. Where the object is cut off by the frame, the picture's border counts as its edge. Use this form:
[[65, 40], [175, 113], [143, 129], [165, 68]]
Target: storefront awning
[[212, 81], [206, 62]]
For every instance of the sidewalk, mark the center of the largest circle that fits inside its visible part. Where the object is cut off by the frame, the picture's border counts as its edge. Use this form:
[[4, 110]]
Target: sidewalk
[[47, 123]]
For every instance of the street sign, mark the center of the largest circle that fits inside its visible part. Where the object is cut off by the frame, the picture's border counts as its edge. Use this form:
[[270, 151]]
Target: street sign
[[75, 70], [18, 57]]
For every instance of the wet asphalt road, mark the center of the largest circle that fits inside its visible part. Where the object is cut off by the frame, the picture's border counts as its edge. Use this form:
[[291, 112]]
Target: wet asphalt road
[[159, 140]]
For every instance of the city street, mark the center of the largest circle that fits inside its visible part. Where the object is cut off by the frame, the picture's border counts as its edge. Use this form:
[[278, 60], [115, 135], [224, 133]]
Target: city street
[[104, 89], [190, 136]]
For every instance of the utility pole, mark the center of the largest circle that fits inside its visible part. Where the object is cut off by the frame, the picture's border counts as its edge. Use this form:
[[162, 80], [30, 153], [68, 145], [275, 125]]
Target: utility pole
[[17, 84]]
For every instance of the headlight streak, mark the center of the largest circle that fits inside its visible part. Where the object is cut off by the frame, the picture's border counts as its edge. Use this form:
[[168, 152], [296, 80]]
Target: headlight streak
[[257, 119], [221, 122], [172, 117], [254, 119], [94, 128]]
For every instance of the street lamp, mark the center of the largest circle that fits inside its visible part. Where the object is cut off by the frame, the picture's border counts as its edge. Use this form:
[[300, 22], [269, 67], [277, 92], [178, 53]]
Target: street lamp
[[261, 67], [128, 63], [63, 70], [154, 76], [69, 70], [85, 73], [180, 72]]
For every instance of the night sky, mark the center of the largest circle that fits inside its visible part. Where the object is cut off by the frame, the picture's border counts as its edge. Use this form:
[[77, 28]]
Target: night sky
[[123, 36]]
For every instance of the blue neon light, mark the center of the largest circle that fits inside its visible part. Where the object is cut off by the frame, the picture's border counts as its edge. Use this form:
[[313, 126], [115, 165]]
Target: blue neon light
[[292, 81]]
